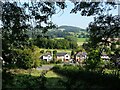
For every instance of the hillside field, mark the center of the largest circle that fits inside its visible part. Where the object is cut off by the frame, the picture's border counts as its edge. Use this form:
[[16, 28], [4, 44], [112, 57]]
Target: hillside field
[[80, 41]]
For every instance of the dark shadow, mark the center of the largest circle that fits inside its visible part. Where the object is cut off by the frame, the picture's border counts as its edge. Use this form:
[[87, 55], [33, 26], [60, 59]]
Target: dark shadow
[[29, 82], [80, 80], [85, 79], [53, 84]]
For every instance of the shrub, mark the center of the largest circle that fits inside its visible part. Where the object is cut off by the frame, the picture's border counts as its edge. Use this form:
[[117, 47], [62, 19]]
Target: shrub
[[28, 57], [58, 61], [43, 61], [42, 51], [75, 74], [7, 79]]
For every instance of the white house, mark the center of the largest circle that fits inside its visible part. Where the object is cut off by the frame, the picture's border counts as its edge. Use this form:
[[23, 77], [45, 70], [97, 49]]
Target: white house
[[105, 57], [63, 56], [47, 57]]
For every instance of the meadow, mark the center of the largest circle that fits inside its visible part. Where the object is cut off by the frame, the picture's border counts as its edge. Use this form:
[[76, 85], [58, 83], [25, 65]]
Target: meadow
[[80, 41]]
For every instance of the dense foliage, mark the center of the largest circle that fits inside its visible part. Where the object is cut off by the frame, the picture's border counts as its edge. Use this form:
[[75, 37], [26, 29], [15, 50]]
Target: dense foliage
[[27, 58], [19, 17], [79, 78], [64, 31], [14, 26], [104, 38], [16, 21], [20, 81], [55, 43]]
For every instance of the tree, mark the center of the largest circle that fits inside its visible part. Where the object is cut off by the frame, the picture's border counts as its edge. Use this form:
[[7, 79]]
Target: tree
[[54, 54], [71, 38], [42, 51], [14, 25], [16, 21], [104, 33], [28, 57], [72, 53], [103, 28], [89, 8]]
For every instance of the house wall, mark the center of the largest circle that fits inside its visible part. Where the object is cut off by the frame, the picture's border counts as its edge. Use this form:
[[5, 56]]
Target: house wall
[[48, 58], [64, 58], [67, 57], [79, 59], [60, 58]]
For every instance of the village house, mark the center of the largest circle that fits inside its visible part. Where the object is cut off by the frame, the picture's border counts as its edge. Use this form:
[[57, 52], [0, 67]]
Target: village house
[[47, 57], [105, 57], [80, 56], [63, 56]]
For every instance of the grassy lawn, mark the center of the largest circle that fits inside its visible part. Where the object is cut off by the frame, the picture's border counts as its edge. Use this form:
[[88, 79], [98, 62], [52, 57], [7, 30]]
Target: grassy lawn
[[52, 74], [59, 38], [58, 50], [53, 81], [32, 72], [28, 78], [80, 41]]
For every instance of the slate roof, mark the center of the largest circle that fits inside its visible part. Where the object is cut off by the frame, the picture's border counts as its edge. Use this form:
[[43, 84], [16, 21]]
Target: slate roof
[[61, 54], [80, 54], [46, 54]]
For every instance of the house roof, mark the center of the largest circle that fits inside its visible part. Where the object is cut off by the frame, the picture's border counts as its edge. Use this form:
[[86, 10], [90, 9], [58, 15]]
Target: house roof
[[81, 54], [46, 54], [61, 54]]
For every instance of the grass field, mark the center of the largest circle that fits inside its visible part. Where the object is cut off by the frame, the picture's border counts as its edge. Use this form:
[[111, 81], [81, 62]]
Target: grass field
[[58, 50], [59, 38], [53, 81], [80, 41], [32, 72]]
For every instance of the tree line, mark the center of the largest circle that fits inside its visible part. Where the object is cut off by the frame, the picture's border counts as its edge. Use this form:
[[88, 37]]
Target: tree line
[[55, 43]]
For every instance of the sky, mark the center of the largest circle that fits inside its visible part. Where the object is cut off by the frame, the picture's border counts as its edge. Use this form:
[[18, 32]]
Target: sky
[[65, 18]]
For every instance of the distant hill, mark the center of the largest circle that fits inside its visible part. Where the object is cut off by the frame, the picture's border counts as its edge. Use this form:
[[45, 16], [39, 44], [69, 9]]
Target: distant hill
[[61, 32], [71, 29], [64, 31]]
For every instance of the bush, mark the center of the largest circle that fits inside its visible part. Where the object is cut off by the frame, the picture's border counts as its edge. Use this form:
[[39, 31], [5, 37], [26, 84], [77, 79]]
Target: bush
[[58, 61], [27, 58], [76, 74], [7, 79], [43, 61], [52, 61], [42, 51]]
